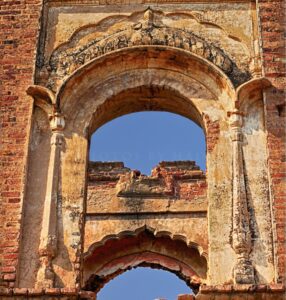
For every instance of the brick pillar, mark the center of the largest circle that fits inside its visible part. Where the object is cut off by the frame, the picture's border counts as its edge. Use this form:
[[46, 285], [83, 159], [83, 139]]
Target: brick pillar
[[19, 27], [272, 25]]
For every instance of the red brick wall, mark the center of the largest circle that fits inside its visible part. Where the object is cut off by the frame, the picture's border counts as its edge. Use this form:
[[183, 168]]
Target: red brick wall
[[272, 18], [19, 23], [180, 179]]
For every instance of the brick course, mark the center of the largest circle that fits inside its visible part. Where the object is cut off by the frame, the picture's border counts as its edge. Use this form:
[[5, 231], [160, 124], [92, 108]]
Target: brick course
[[19, 24], [272, 20]]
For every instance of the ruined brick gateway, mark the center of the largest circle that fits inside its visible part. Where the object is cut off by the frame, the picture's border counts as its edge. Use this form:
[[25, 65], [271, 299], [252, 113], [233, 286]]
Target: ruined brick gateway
[[67, 225]]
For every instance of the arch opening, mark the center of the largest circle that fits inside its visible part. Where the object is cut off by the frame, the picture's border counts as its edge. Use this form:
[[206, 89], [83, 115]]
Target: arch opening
[[144, 283], [133, 91], [142, 140], [148, 98], [146, 74], [107, 89]]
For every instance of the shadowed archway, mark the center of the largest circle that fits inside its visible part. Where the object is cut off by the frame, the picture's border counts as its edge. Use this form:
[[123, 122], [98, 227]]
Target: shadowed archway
[[119, 253]]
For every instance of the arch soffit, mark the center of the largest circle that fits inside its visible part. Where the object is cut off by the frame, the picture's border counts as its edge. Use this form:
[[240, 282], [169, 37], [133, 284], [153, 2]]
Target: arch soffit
[[148, 57], [153, 231], [179, 70], [159, 94], [94, 282]]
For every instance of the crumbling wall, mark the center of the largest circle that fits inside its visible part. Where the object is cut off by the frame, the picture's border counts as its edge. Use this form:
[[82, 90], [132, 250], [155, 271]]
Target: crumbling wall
[[169, 208]]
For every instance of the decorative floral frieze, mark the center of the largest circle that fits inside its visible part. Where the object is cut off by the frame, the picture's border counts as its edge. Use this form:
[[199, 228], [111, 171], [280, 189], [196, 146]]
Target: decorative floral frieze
[[148, 31]]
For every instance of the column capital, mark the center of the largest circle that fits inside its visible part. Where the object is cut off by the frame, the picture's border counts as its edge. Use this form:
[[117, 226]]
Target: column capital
[[57, 121], [236, 122], [235, 118]]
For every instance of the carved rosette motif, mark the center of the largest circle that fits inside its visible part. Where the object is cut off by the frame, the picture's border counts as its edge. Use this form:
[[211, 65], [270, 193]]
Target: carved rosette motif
[[241, 235], [149, 31]]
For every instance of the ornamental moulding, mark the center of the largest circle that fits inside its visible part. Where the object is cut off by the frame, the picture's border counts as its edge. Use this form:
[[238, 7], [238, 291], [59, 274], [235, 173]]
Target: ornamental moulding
[[148, 31]]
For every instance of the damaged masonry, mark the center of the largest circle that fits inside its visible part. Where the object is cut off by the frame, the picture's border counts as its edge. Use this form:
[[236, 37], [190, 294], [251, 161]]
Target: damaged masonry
[[69, 225]]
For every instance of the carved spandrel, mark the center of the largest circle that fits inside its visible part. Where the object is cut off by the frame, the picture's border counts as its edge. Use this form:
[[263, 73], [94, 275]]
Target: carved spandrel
[[149, 30]]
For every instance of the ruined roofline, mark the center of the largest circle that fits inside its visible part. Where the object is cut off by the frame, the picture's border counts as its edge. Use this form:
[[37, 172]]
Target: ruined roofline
[[115, 165]]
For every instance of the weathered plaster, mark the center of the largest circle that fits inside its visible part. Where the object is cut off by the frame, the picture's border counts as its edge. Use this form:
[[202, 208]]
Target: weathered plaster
[[97, 62]]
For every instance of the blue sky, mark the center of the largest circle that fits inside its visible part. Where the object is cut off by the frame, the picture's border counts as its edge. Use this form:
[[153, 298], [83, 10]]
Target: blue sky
[[141, 140], [144, 284]]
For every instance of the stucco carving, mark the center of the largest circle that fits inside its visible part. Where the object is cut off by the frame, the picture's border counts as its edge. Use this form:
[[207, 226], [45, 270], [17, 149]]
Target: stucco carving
[[241, 232], [85, 45], [154, 246], [49, 232]]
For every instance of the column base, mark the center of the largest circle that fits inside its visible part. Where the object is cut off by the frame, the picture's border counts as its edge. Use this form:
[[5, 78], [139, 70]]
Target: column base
[[244, 272], [45, 275]]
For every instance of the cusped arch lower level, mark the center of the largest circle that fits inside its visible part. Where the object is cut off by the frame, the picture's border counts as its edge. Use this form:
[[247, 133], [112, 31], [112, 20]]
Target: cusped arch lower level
[[145, 247]]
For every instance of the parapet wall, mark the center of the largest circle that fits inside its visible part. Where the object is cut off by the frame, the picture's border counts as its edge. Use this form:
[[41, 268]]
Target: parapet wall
[[172, 186]]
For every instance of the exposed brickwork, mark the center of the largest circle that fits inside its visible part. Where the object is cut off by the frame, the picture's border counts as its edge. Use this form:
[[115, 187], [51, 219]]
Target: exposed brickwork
[[174, 180], [242, 291], [274, 291], [272, 18], [23, 293], [19, 23], [213, 130]]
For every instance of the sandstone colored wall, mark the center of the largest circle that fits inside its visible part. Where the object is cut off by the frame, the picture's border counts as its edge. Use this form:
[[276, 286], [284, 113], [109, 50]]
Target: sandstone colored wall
[[210, 70], [168, 206]]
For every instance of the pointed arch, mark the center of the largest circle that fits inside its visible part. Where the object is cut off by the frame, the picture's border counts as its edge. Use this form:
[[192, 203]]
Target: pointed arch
[[192, 79]]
